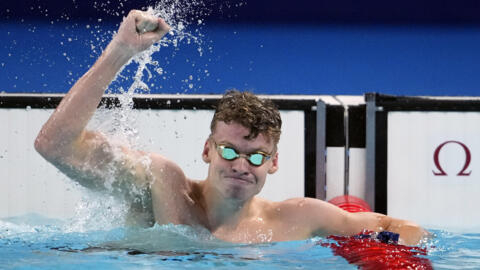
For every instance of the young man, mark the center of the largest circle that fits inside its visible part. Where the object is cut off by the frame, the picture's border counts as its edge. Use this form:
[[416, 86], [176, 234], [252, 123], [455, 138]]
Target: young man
[[240, 151]]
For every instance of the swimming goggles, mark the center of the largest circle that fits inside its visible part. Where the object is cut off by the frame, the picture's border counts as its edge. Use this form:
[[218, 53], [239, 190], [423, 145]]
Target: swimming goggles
[[229, 153]]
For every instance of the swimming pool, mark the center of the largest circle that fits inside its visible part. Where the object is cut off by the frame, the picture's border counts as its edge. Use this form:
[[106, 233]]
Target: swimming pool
[[33, 242]]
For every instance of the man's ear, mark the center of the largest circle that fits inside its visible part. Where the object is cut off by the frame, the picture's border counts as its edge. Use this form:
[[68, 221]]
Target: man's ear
[[206, 152], [274, 166]]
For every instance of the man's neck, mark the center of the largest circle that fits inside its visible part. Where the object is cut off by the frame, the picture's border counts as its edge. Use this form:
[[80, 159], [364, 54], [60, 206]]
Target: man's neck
[[224, 212]]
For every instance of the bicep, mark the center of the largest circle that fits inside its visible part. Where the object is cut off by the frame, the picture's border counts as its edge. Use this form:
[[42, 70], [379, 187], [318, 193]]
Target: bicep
[[94, 162]]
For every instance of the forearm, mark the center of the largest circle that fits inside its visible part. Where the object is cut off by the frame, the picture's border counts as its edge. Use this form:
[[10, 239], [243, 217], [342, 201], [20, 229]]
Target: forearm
[[77, 107], [410, 233]]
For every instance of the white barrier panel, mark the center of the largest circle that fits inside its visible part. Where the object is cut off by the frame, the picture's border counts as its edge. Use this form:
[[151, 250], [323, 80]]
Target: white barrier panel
[[336, 172], [335, 168], [29, 184], [357, 173], [434, 168]]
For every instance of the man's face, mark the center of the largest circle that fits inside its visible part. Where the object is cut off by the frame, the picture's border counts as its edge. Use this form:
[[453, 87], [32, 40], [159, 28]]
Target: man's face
[[237, 179]]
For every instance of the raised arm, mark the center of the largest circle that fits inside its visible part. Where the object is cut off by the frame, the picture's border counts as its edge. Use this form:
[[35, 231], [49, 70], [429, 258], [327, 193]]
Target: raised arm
[[85, 155]]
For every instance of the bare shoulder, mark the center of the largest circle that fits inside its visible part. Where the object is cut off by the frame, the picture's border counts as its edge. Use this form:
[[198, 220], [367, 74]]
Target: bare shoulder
[[173, 194], [161, 165], [164, 171]]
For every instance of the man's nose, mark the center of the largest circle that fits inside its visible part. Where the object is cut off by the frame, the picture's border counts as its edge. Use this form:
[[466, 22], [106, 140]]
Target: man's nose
[[241, 165]]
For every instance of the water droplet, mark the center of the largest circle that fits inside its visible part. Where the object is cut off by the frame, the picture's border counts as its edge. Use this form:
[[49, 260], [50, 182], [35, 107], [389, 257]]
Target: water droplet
[[180, 26]]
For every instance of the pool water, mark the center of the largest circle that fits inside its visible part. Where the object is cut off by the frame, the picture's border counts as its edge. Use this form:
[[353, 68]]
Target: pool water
[[50, 244], [166, 247]]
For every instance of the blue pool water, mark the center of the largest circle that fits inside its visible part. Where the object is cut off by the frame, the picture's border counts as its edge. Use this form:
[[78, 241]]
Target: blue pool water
[[166, 247], [51, 244]]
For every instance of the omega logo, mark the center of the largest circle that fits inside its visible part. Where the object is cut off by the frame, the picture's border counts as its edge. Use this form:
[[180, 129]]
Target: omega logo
[[468, 158]]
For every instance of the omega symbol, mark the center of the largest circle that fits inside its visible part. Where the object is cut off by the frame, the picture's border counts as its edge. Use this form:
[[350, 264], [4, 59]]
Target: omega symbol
[[441, 172]]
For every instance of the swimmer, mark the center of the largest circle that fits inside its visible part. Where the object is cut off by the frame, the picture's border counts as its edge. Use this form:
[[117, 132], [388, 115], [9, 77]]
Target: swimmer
[[240, 152]]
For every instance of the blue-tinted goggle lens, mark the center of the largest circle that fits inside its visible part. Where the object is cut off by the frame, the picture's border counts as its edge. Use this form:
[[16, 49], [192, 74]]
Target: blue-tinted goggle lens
[[229, 153]]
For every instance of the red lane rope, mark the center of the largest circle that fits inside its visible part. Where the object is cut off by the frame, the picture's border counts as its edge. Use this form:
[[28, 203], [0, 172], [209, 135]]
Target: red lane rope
[[368, 252], [351, 203]]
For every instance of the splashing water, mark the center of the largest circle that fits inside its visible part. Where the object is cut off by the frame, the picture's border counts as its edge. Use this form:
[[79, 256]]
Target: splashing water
[[179, 15], [94, 214], [119, 123]]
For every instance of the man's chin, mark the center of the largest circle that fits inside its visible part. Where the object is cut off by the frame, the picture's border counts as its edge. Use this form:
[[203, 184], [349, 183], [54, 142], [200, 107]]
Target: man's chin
[[237, 194]]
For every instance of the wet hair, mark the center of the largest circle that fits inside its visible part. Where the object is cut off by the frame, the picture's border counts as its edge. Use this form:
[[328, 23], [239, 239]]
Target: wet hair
[[260, 116]]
